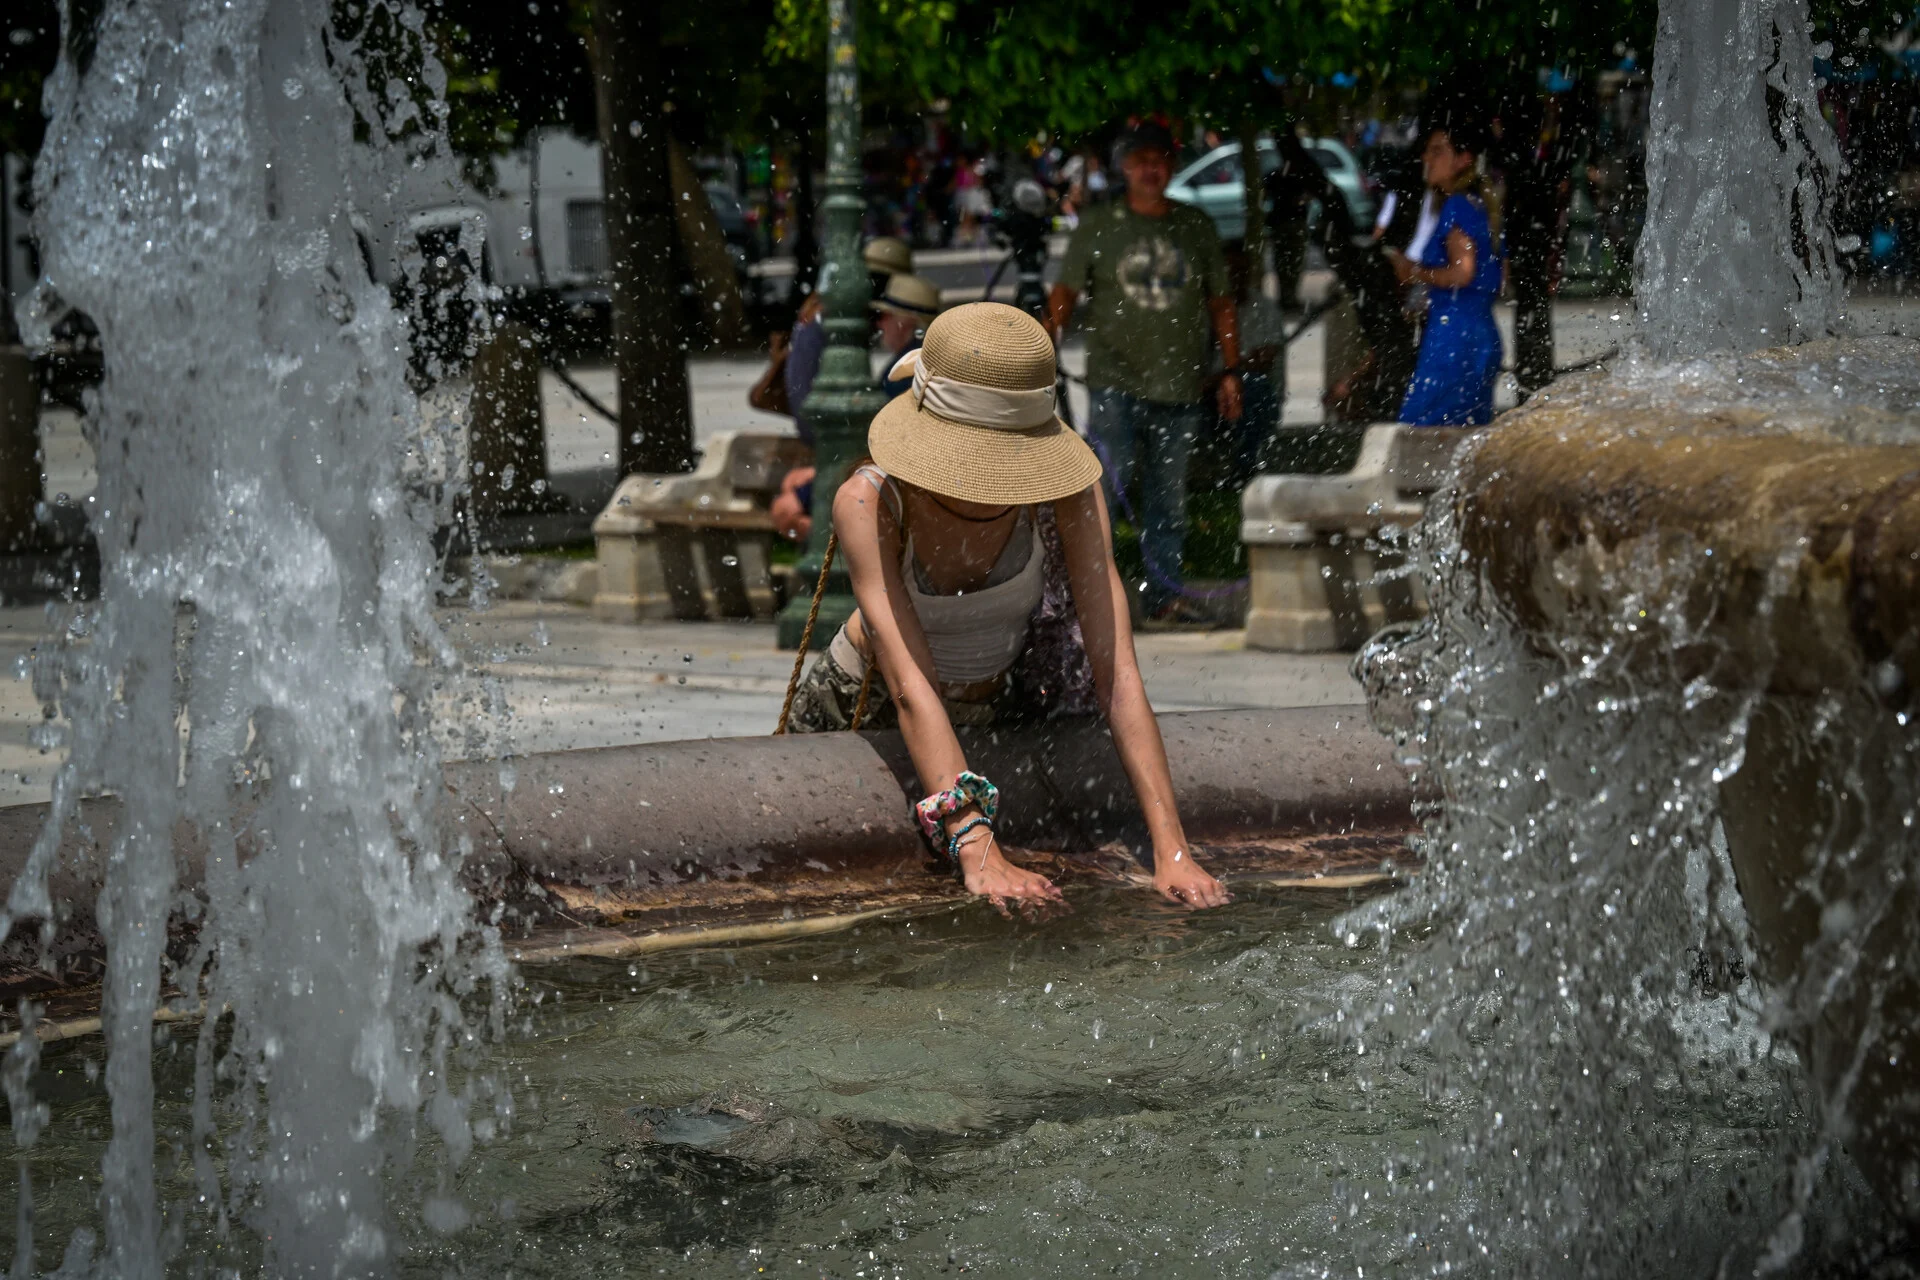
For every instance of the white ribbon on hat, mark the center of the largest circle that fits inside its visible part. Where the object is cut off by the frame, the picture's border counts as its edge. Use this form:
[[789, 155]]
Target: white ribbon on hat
[[973, 404]]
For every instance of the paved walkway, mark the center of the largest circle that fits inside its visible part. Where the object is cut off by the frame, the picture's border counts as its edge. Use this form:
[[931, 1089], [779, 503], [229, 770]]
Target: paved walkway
[[580, 443], [548, 677], [572, 681], [579, 439]]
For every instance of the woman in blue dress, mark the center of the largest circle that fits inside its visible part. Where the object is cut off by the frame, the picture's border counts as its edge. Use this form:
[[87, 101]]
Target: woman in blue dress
[[1460, 348]]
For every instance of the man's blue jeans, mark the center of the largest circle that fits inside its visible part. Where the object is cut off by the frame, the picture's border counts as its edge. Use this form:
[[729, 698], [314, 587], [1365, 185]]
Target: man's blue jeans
[[1145, 445]]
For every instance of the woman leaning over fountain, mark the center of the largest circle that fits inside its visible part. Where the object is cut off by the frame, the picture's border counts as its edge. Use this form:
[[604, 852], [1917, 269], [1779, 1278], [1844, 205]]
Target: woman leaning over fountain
[[977, 500]]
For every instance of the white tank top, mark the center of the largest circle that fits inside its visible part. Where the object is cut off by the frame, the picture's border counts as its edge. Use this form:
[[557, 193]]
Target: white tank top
[[975, 636]]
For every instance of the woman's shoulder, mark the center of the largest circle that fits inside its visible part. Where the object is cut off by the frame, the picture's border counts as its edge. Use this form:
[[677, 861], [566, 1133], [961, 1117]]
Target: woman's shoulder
[[1467, 211], [1073, 511], [867, 489]]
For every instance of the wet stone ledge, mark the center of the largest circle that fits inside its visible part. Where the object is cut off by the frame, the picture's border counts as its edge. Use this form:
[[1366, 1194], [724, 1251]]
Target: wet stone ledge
[[629, 849]]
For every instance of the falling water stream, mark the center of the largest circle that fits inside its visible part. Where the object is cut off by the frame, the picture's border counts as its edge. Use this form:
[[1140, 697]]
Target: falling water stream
[[1737, 252], [1549, 1055], [259, 665], [1574, 975]]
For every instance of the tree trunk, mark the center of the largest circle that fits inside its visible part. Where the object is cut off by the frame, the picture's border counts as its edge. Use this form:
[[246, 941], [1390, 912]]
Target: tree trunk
[[656, 405], [1363, 271], [1252, 192], [1533, 218], [9, 329], [721, 309]]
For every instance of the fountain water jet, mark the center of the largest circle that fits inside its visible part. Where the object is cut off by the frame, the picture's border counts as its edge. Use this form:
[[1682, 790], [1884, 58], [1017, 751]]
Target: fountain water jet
[[254, 669], [1663, 692], [1737, 252]]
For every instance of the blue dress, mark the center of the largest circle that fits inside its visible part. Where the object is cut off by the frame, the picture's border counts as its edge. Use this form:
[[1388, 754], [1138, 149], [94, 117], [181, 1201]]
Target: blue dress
[[1460, 349]]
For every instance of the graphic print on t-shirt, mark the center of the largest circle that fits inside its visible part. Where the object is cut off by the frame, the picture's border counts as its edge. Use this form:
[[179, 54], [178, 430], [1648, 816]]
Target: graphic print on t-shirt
[[1152, 273]]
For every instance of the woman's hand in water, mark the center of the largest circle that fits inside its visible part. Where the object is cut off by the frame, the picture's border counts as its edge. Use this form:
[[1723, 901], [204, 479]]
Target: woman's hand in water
[[989, 874], [1178, 878]]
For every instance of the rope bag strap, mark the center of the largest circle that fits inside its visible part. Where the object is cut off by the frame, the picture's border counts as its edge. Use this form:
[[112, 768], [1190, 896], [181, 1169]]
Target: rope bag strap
[[806, 640]]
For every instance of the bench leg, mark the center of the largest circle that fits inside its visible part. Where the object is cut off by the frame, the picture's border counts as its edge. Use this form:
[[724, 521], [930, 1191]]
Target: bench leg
[[632, 584], [1400, 601], [756, 572], [720, 549], [1306, 598], [682, 573]]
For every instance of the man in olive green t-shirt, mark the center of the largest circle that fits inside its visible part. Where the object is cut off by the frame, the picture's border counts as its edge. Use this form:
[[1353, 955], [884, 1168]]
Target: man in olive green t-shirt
[[1157, 293]]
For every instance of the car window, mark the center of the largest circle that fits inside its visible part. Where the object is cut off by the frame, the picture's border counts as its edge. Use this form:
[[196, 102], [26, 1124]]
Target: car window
[[1225, 169], [1329, 159], [587, 252]]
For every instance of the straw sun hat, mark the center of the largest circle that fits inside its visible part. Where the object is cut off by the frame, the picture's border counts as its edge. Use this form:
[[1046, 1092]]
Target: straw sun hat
[[889, 255], [911, 296], [981, 424]]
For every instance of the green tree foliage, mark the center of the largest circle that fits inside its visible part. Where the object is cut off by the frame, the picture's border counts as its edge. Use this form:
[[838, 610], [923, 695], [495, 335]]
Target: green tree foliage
[[1071, 66], [749, 69], [722, 89], [516, 67], [1503, 37]]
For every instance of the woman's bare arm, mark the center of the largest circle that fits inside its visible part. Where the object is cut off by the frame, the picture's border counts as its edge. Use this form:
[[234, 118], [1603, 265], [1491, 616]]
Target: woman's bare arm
[[870, 541], [1100, 599], [1462, 259]]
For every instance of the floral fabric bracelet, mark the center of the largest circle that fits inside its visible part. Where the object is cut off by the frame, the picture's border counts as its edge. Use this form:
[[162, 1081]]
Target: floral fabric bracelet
[[968, 788]]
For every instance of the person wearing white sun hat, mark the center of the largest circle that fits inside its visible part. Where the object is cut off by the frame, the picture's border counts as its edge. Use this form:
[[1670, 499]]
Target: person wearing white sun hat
[[901, 313], [976, 500]]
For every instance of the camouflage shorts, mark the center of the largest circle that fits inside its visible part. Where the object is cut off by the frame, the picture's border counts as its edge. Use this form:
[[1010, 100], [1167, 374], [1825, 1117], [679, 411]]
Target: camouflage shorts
[[828, 693]]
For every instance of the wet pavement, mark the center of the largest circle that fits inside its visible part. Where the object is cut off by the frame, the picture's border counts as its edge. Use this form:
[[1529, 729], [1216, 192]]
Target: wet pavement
[[548, 677], [572, 681]]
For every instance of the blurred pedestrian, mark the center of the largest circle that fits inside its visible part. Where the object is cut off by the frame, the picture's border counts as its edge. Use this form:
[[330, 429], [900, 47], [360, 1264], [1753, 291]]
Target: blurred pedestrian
[[902, 314], [1408, 217], [885, 257], [1460, 348], [793, 364], [1263, 372], [941, 209], [1096, 182], [971, 202], [1157, 292], [1409, 210]]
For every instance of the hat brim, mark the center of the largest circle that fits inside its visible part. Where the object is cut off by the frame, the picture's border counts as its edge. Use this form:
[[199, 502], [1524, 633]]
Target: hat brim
[[980, 464], [902, 309]]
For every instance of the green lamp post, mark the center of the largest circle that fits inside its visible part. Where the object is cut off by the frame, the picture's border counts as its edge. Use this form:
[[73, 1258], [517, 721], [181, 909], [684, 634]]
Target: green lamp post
[[844, 397]]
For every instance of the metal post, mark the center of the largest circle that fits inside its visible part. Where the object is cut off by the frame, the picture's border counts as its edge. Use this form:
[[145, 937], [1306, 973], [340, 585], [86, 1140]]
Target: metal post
[[844, 397]]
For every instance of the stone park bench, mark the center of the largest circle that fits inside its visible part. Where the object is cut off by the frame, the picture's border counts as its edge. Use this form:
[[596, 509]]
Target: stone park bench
[[1320, 578], [696, 544]]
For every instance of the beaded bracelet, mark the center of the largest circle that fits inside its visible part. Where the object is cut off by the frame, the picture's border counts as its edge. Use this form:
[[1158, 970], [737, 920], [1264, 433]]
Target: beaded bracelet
[[953, 841], [968, 788]]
